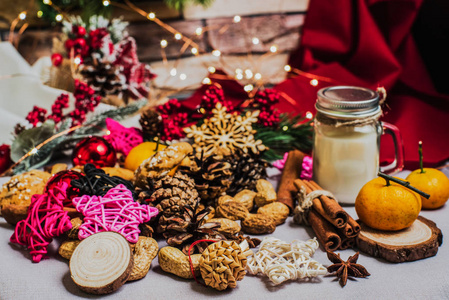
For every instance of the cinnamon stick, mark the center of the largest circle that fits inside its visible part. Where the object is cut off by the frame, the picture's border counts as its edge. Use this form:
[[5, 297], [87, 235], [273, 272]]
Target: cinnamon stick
[[347, 243], [292, 171], [326, 207], [324, 231]]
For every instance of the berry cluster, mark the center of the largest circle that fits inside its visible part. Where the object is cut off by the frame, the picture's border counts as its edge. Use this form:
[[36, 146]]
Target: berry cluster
[[264, 101], [77, 41], [85, 101], [173, 121], [56, 109], [211, 97]]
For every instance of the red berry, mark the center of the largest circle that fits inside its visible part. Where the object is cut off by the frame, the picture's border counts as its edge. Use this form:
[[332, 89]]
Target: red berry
[[81, 31], [56, 59], [69, 44], [80, 42]]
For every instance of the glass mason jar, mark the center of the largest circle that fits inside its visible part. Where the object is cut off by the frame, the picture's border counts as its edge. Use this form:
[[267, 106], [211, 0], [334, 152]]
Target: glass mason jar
[[347, 135]]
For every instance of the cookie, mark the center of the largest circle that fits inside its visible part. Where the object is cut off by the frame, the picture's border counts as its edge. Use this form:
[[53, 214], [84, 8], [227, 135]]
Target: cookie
[[19, 189]]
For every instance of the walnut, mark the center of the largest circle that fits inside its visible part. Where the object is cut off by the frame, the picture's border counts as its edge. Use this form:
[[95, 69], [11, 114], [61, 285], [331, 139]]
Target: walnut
[[258, 224], [232, 210]]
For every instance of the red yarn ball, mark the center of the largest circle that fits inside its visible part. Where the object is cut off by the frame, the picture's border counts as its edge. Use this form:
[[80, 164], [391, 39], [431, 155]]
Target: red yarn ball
[[56, 59], [65, 176], [94, 150]]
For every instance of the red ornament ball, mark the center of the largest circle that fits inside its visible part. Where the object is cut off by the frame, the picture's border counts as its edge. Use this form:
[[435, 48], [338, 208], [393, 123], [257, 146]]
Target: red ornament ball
[[56, 59], [94, 150], [69, 44]]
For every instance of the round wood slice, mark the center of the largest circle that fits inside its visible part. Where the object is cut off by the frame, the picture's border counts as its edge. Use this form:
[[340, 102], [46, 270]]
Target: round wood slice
[[101, 263], [419, 241]]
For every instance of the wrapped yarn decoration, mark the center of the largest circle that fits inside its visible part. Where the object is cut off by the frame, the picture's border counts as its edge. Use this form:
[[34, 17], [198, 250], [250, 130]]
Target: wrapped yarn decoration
[[94, 150], [97, 182], [65, 176], [222, 264], [115, 211], [46, 219], [121, 138]]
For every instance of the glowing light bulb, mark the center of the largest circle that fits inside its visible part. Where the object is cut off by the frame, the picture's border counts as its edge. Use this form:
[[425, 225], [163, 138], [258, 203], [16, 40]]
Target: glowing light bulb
[[273, 49], [183, 76], [58, 18], [194, 51], [238, 71], [106, 3], [257, 76], [248, 74], [33, 151], [287, 68], [216, 53], [151, 16], [40, 13], [255, 41], [314, 82], [178, 36], [237, 19], [173, 72], [164, 43], [47, 2], [77, 60], [248, 88], [309, 115], [199, 31], [22, 15], [206, 80], [239, 76], [285, 128], [211, 69]]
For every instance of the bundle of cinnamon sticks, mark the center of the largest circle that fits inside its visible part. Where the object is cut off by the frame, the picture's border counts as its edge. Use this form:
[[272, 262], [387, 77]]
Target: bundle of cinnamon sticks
[[333, 226]]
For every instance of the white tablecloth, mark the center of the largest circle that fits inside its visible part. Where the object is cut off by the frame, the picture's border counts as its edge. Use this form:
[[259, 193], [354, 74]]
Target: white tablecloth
[[50, 279]]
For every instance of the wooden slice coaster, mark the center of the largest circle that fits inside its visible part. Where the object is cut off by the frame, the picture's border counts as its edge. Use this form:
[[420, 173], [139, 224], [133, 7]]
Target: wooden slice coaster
[[419, 241], [101, 263]]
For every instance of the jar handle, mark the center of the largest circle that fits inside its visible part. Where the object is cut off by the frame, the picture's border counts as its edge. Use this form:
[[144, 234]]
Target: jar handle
[[398, 163]]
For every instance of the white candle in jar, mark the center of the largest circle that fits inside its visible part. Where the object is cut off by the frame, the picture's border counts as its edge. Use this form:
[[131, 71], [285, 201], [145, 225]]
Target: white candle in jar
[[345, 159]]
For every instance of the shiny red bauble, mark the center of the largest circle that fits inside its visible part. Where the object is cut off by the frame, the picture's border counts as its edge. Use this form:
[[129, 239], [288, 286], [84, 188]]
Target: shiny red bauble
[[56, 59], [94, 150]]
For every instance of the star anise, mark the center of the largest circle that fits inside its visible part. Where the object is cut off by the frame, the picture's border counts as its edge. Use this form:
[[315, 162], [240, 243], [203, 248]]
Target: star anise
[[343, 269]]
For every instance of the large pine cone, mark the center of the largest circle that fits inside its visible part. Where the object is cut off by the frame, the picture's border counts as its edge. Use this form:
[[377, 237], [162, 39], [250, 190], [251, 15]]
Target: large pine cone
[[151, 122], [103, 77], [246, 168], [171, 195], [212, 175]]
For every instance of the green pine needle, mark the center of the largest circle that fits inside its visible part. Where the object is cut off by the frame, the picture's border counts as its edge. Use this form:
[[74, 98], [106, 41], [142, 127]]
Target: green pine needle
[[292, 133]]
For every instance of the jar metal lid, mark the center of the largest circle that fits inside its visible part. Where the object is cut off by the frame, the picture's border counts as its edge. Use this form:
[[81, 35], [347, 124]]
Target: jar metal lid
[[348, 102]]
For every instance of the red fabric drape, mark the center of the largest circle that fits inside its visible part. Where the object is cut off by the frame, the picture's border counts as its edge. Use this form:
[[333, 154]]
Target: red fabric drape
[[369, 43]]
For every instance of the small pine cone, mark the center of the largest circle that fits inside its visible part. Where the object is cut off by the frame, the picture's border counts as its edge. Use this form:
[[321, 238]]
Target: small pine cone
[[212, 175], [151, 122], [222, 264], [171, 195], [103, 77], [247, 168]]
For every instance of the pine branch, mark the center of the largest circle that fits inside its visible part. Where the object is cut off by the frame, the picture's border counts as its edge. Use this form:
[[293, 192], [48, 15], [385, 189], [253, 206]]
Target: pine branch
[[291, 133]]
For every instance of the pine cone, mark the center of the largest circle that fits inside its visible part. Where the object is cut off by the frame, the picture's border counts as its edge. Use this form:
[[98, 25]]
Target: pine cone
[[182, 231], [222, 264], [212, 175], [246, 168], [103, 77], [151, 122], [171, 195]]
